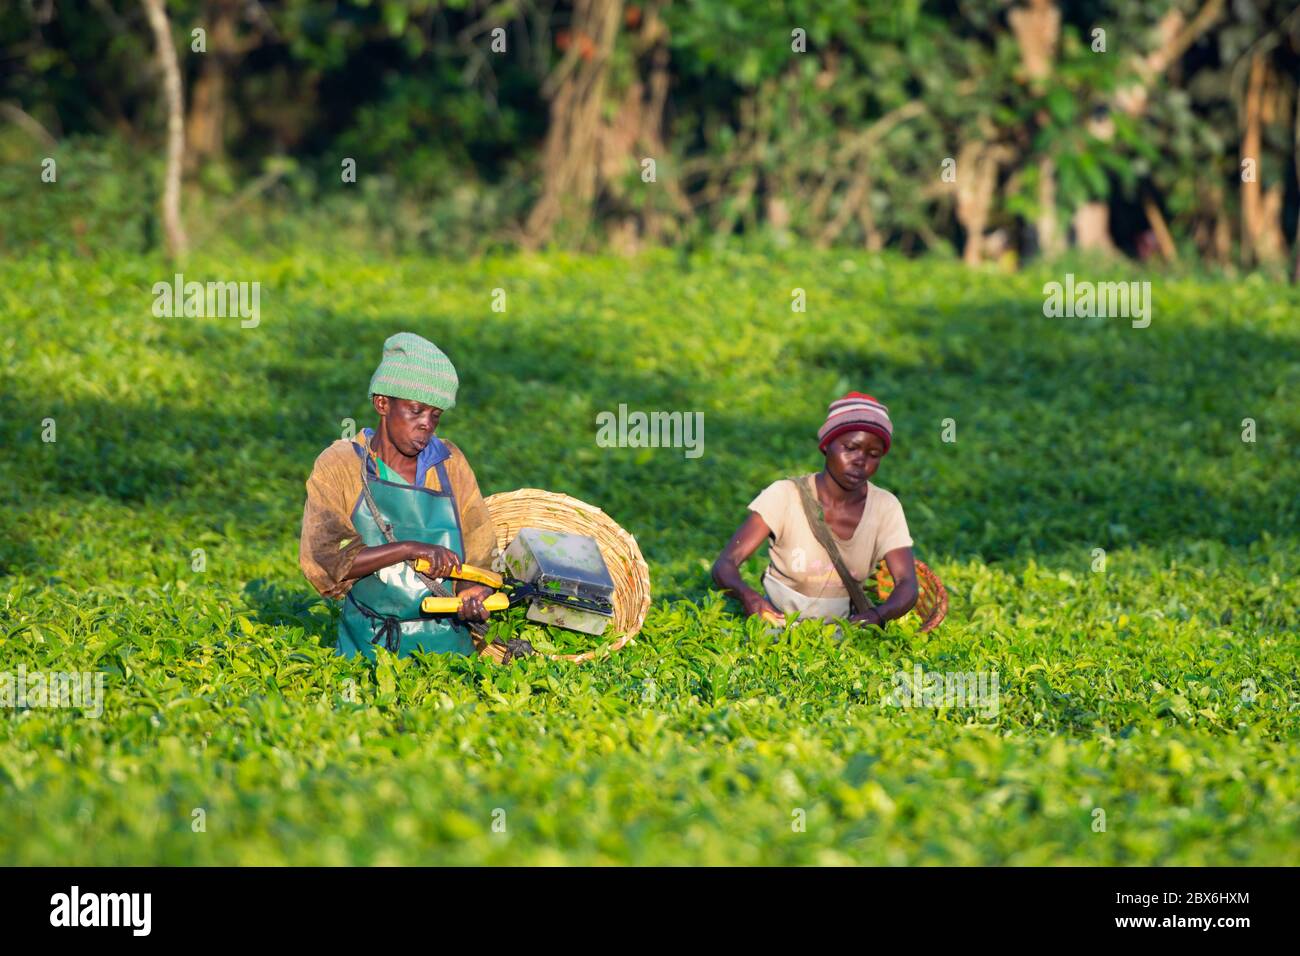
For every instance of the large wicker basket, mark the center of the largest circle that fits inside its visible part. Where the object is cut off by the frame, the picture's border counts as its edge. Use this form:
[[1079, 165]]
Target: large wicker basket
[[534, 508], [932, 597]]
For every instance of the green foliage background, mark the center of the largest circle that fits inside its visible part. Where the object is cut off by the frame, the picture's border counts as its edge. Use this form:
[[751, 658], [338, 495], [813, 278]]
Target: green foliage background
[[448, 135], [1121, 690]]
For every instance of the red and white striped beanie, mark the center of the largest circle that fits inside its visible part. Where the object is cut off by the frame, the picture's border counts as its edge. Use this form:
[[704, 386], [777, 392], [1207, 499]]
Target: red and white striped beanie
[[856, 412]]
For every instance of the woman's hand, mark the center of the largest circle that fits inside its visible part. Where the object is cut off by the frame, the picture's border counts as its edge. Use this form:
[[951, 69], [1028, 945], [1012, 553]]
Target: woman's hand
[[903, 596], [870, 616], [755, 603], [442, 561], [471, 603]]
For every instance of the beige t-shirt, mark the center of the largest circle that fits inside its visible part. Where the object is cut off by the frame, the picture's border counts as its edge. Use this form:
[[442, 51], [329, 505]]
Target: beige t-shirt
[[799, 562]]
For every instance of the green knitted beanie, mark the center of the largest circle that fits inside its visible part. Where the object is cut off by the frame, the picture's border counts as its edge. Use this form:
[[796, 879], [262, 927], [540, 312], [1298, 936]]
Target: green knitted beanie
[[417, 369]]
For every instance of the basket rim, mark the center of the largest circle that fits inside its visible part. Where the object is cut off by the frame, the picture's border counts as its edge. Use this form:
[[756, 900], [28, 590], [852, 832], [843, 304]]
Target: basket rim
[[924, 573], [503, 529]]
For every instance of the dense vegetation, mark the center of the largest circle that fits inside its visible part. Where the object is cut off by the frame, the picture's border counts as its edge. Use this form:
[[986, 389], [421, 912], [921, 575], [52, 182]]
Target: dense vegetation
[[1161, 689], [1167, 128]]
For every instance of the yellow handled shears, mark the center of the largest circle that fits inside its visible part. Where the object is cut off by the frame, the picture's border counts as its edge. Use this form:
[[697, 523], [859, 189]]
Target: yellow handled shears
[[501, 600], [466, 572]]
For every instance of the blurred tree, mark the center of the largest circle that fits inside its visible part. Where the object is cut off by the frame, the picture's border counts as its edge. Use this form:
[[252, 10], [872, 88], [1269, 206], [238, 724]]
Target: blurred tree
[[986, 128], [232, 29], [174, 228]]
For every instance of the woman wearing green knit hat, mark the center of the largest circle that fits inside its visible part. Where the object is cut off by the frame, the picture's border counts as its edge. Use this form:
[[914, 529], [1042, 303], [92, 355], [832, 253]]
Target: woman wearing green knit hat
[[392, 495]]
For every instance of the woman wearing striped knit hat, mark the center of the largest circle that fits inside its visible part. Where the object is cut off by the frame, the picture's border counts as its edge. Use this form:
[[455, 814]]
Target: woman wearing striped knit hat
[[865, 521], [389, 497]]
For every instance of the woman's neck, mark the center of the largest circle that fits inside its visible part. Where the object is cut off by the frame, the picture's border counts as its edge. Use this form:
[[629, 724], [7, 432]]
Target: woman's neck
[[389, 454], [834, 493]]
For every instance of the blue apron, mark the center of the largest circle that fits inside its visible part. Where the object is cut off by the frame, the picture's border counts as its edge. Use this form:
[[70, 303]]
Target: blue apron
[[384, 607]]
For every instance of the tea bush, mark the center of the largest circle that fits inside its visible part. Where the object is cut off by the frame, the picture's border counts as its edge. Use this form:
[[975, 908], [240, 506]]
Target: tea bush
[[1154, 680]]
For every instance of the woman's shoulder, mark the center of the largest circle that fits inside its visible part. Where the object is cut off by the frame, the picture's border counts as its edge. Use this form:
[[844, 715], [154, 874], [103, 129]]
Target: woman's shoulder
[[453, 450], [784, 487], [340, 455], [885, 498], [457, 464], [336, 473]]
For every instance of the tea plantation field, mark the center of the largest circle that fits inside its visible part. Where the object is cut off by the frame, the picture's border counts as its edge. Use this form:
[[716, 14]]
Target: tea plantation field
[[1115, 552]]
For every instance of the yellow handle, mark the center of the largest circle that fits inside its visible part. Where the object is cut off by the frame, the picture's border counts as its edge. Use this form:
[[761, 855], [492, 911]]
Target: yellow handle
[[467, 572], [450, 605]]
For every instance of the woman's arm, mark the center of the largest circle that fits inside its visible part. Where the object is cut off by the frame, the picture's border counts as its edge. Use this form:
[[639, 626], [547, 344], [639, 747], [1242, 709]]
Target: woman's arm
[[902, 598], [442, 561], [726, 569]]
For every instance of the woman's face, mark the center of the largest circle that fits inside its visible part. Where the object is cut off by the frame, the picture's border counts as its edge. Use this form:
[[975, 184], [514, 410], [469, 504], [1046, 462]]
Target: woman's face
[[852, 458], [411, 424]]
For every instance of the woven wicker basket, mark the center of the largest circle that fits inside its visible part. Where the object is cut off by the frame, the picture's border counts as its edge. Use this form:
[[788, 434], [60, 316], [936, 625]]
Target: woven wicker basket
[[932, 596], [534, 508]]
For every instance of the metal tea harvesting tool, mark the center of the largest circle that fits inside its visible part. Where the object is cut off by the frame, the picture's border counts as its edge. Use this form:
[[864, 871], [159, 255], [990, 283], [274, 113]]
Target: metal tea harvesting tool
[[561, 575]]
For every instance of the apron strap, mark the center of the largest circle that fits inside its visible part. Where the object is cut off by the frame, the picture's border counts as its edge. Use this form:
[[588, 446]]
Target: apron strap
[[443, 482], [390, 628]]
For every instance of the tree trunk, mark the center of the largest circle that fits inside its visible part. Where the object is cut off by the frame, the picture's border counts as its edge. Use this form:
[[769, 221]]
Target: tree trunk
[[1038, 29], [1262, 241], [571, 154], [977, 180], [1295, 272], [205, 122], [1092, 227], [1160, 228], [173, 227], [1250, 143]]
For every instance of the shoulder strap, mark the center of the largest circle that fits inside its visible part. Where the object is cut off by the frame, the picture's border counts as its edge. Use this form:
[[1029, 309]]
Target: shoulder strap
[[812, 510]]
